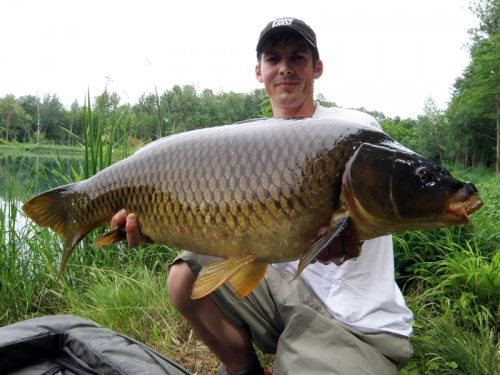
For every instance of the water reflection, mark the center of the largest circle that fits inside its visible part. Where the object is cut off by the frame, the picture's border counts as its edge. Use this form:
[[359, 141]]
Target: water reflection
[[13, 221], [24, 175]]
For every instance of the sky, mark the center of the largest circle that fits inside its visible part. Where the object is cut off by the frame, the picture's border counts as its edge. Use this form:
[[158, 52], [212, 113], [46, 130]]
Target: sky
[[383, 55]]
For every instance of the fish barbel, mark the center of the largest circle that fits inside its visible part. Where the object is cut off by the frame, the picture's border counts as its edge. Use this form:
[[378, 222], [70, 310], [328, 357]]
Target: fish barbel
[[256, 193]]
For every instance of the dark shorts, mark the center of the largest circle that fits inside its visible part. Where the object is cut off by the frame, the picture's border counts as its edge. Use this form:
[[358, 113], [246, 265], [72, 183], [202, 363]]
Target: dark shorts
[[285, 318]]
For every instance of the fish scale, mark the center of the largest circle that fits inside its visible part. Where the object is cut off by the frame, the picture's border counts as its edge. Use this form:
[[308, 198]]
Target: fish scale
[[254, 193]]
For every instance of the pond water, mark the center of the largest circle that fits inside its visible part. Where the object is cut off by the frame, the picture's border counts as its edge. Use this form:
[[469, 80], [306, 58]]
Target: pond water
[[24, 175]]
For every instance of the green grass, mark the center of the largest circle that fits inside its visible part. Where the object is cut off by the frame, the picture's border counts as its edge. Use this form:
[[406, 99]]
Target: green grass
[[456, 313], [131, 299], [42, 149], [451, 280]]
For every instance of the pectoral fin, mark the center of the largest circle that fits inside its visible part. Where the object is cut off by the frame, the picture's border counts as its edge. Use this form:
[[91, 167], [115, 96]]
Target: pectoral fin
[[336, 229], [243, 274], [114, 235]]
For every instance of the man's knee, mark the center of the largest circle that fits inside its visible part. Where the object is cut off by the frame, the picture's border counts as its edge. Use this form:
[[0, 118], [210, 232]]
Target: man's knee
[[179, 285]]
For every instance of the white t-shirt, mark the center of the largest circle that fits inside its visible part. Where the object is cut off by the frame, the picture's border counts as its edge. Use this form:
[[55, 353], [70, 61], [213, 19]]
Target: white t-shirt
[[361, 293]]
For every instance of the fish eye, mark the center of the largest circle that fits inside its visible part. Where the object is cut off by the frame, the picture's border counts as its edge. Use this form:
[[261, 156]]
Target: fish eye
[[423, 174], [443, 172]]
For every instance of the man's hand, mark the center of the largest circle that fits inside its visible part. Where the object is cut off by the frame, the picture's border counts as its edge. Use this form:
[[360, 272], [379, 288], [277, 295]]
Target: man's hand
[[131, 224], [342, 248]]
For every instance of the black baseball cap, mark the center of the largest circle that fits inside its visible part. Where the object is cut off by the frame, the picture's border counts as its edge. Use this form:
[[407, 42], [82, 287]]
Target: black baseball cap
[[294, 24]]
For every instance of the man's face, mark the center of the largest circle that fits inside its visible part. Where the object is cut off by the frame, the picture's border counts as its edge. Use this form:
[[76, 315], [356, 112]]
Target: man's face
[[287, 72]]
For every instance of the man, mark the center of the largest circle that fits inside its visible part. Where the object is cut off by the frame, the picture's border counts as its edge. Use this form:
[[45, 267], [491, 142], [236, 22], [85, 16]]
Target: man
[[342, 316]]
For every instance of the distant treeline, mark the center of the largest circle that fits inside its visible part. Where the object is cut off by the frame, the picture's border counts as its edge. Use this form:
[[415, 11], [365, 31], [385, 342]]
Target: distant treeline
[[46, 120]]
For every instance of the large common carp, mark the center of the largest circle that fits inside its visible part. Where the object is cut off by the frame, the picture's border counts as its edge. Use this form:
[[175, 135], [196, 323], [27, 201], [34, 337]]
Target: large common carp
[[257, 193]]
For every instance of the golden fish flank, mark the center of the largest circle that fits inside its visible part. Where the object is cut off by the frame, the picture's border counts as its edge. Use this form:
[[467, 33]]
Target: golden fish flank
[[257, 193], [217, 195]]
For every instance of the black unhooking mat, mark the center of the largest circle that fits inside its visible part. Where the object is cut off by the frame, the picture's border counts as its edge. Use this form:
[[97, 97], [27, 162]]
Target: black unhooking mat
[[69, 345]]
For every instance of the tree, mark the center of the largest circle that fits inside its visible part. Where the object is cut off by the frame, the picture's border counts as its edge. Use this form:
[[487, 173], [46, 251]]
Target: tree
[[488, 13], [52, 118], [432, 130], [474, 111], [322, 100], [403, 131], [486, 59], [31, 105], [147, 120], [485, 84], [74, 125], [9, 110], [180, 108]]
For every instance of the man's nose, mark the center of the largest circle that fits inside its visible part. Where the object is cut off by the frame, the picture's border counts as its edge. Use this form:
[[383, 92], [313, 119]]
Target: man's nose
[[285, 68]]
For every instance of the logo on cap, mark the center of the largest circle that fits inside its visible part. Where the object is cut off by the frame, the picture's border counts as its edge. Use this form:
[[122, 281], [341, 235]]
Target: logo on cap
[[282, 22]]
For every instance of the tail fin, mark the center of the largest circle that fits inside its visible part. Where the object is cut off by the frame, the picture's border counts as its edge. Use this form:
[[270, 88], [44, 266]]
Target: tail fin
[[49, 209]]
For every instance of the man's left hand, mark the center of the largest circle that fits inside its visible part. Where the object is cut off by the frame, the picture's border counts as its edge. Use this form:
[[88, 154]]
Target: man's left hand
[[341, 249]]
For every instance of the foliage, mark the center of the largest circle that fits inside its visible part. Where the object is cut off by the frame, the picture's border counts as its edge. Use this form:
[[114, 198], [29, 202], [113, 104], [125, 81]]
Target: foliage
[[132, 297], [432, 131], [123, 128], [403, 131], [12, 114], [456, 313], [475, 105], [45, 120], [451, 281]]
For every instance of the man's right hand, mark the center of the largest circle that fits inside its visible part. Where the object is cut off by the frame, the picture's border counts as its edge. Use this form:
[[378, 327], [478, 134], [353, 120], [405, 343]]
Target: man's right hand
[[131, 224]]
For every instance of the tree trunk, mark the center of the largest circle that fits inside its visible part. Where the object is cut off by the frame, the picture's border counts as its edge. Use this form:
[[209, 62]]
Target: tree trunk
[[7, 126], [38, 121], [466, 156], [498, 139], [497, 106]]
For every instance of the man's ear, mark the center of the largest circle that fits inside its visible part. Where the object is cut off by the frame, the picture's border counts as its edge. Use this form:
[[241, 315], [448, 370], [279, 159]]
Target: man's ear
[[258, 75], [318, 69]]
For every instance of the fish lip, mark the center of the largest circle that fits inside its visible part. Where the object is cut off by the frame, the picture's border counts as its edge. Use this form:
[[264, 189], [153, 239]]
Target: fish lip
[[462, 209]]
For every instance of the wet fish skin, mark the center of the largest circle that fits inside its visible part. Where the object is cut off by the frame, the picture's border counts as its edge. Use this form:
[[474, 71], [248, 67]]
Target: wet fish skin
[[257, 193]]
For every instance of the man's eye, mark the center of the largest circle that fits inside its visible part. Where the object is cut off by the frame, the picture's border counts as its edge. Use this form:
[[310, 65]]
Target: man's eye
[[298, 58]]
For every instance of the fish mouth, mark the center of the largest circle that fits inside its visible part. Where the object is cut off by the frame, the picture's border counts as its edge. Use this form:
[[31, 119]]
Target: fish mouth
[[460, 211]]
